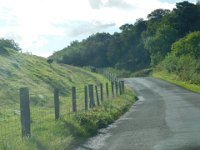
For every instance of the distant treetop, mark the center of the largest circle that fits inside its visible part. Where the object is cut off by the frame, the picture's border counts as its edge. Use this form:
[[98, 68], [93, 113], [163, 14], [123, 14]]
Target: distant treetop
[[7, 43]]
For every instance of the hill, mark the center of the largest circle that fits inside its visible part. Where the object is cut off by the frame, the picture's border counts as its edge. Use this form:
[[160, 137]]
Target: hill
[[23, 70]]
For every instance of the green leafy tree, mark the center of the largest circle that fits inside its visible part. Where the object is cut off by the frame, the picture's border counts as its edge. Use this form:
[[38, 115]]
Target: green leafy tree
[[7, 43], [158, 14], [89, 52], [185, 18], [126, 50], [189, 45], [184, 59], [160, 44]]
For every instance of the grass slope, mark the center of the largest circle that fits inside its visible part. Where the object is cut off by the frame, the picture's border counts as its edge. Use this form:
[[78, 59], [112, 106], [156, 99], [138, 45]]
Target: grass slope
[[19, 70], [23, 70]]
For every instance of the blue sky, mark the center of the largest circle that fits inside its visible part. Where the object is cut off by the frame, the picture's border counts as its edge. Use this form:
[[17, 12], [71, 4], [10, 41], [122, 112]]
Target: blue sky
[[44, 26]]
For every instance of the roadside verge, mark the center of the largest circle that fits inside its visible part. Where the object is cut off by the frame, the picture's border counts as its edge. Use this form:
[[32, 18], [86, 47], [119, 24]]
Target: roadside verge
[[174, 79], [87, 124]]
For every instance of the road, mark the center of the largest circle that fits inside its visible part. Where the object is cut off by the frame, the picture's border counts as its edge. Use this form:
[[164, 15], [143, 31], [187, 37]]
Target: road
[[166, 117]]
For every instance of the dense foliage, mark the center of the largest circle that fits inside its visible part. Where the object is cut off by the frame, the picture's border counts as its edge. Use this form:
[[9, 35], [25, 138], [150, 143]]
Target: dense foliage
[[184, 60], [140, 45], [6, 43]]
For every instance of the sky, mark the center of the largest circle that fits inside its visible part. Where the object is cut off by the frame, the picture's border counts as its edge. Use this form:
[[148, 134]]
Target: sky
[[42, 27]]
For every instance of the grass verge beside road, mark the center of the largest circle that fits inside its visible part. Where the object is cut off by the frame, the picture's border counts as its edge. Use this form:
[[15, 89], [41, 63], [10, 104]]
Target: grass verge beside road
[[88, 123], [174, 79]]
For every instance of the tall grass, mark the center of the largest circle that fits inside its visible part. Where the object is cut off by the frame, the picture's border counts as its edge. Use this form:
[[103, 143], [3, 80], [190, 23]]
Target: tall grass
[[47, 134]]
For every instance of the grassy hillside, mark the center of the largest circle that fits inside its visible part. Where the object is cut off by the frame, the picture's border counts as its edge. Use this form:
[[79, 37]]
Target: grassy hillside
[[22, 70], [19, 70]]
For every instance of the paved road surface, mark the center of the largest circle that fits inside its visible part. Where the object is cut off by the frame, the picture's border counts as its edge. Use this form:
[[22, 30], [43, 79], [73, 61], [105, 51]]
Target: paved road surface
[[166, 117]]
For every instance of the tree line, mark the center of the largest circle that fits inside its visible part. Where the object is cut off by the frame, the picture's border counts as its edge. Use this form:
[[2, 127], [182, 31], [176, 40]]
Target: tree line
[[142, 44]]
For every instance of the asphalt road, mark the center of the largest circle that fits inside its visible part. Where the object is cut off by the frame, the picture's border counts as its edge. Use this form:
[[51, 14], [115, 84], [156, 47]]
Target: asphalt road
[[166, 117]]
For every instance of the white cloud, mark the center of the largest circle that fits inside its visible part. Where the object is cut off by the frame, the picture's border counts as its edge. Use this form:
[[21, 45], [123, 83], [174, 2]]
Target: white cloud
[[32, 22], [121, 4], [85, 27]]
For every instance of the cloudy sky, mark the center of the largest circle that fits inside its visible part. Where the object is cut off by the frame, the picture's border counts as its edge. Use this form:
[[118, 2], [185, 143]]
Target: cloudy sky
[[44, 26]]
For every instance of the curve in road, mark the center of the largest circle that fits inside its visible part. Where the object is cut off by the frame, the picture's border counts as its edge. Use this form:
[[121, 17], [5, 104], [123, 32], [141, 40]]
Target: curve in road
[[166, 117]]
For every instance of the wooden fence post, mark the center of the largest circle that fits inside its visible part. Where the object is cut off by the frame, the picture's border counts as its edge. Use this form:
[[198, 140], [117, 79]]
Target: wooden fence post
[[86, 98], [108, 76], [74, 99], [91, 96], [116, 87], [116, 78], [56, 104], [107, 91], [25, 112], [111, 78], [101, 91], [122, 82], [97, 95], [120, 87], [112, 88]]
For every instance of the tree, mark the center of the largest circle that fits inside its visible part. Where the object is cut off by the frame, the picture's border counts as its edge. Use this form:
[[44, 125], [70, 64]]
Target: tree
[[155, 20], [126, 27], [184, 59], [189, 45], [185, 18], [158, 14], [6, 43], [160, 44]]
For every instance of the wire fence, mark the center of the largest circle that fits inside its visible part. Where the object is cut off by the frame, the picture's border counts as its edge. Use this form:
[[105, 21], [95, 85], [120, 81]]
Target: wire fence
[[36, 112], [10, 120]]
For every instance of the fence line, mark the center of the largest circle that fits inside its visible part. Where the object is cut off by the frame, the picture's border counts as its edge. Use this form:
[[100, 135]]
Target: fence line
[[81, 100]]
